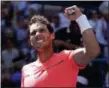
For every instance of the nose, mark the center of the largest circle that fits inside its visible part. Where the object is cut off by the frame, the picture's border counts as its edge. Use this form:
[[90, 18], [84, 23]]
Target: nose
[[38, 33]]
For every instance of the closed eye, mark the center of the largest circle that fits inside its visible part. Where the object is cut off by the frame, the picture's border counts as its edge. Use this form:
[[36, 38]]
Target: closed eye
[[33, 33], [41, 30]]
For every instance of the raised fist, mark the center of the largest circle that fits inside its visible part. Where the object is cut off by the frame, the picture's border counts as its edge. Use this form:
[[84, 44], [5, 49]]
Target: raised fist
[[73, 12]]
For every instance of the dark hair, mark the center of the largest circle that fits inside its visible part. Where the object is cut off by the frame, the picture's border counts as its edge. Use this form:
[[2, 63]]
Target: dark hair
[[42, 20]]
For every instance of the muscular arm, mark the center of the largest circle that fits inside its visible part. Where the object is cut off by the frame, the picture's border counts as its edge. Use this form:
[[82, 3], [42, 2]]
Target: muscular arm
[[91, 49]]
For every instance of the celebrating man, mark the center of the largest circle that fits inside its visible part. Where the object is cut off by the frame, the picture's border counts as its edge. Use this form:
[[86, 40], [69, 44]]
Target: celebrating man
[[58, 69]]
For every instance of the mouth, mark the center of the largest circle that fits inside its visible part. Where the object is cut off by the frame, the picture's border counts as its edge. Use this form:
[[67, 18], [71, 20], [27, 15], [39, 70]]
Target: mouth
[[40, 41]]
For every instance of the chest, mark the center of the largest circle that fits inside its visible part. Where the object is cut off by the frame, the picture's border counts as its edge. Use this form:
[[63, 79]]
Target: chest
[[59, 73]]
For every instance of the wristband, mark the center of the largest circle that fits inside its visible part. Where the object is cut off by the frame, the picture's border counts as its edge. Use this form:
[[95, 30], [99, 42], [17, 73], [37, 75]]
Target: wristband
[[83, 23]]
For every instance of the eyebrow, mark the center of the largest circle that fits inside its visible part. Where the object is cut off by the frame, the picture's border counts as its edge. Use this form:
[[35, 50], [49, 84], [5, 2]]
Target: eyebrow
[[35, 30]]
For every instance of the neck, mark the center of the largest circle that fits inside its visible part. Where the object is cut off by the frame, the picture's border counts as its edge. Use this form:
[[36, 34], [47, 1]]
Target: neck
[[45, 54]]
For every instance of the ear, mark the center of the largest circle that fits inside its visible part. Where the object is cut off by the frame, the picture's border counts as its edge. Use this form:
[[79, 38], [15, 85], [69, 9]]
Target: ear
[[52, 36]]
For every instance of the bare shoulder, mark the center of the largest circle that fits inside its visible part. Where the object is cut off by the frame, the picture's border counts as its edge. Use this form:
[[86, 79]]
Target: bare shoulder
[[81, 57], [79, 51], [74, 52], [66, 51]]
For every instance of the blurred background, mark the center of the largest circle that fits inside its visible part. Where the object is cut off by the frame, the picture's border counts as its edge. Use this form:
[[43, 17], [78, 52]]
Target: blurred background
[[16, 50]]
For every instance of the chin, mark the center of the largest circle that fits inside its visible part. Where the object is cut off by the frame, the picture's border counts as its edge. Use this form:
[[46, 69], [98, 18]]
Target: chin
[[39, 49]]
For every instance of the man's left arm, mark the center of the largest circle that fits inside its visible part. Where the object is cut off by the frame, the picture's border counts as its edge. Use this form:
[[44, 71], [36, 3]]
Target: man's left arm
[[83, 56], [91, 49]]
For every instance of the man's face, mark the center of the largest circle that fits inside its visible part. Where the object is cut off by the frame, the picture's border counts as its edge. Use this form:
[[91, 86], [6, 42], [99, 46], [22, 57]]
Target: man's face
[[40, 37]]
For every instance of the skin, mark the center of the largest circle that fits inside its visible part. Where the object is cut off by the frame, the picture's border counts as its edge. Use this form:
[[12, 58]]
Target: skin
[[39, 32], [82, 56]]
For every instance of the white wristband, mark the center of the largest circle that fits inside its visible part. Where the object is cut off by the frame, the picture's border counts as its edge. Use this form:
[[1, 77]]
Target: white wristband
[[83, 23]]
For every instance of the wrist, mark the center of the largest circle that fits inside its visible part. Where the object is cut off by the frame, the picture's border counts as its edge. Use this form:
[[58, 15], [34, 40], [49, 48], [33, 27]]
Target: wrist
[[83, 23]]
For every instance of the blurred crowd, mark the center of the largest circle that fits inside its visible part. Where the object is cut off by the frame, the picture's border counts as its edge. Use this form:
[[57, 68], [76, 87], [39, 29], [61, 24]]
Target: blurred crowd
[[16, 50]]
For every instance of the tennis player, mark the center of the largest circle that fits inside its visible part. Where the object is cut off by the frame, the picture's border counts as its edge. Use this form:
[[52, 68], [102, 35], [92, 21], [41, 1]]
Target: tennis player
[[58, 69]]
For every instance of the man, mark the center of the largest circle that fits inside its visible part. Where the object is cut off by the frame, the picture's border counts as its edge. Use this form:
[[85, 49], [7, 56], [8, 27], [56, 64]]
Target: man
[[58, 69]]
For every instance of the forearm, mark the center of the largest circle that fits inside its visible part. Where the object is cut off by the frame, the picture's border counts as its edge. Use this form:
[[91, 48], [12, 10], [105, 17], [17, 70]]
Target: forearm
[[90, 43], [89, 40], [82, 56]]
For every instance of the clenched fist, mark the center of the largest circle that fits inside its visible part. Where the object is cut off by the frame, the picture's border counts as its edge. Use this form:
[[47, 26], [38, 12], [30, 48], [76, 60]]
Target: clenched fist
[[73, 12]]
